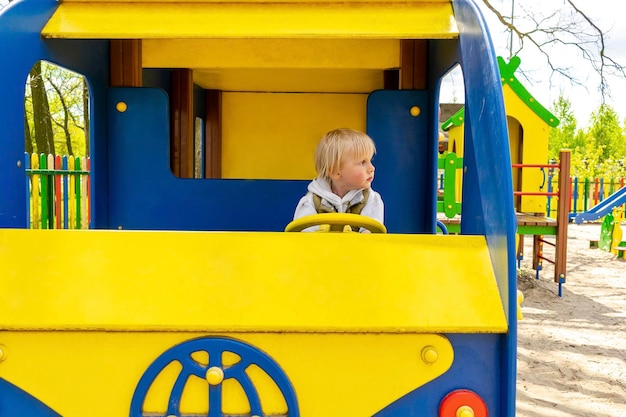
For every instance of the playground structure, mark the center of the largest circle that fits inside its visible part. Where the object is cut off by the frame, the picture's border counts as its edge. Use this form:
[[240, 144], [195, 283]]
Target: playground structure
[[188, 297], [528, 125], [611, 233], [588, 192], [606, 206], [58, 189], [612, 211]]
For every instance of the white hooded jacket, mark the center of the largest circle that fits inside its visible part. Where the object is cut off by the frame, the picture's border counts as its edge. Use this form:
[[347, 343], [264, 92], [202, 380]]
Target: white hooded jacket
[[374, 206]]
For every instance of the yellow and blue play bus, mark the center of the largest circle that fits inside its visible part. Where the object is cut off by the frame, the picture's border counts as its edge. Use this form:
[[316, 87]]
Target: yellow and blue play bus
[[190, 295]]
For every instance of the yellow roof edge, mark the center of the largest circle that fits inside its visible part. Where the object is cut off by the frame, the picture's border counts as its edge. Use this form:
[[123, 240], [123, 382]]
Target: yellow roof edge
[[255, 1], [162, 20]]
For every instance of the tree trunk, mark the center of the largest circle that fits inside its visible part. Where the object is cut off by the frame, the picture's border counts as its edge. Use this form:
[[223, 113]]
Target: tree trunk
[[86, 114], [44, 138], [28, 140], [66, 118]]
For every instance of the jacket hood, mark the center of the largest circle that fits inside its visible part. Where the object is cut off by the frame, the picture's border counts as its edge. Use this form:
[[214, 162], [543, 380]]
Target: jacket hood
[[322, 188]]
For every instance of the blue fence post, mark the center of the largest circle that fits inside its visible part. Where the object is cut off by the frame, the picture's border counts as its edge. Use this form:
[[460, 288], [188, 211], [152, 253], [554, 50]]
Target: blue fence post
[[575, 196], [548, 209], [601, 193]]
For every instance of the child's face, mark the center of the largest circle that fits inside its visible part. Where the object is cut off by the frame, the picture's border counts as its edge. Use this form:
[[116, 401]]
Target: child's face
[[355, 173]]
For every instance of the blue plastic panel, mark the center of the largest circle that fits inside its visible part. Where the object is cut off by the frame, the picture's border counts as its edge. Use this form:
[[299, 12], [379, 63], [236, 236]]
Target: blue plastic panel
[[21, 46], [215, 347], [476, 367], [144, 194], [404, 159], [487, 185], [15, 402]]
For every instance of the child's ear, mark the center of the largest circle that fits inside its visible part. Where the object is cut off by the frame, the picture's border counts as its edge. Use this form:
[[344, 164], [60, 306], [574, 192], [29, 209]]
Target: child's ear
[[336, 175]]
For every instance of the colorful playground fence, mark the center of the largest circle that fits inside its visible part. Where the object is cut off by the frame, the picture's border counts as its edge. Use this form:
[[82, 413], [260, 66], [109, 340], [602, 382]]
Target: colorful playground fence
[[586, 192], [58, 191]]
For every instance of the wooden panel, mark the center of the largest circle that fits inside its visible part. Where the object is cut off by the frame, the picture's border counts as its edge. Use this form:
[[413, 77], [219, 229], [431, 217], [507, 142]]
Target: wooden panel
[[413, 64], [524, 219], [391, 79], [181, 123], [563, 215], [213, 135], [125, 63]]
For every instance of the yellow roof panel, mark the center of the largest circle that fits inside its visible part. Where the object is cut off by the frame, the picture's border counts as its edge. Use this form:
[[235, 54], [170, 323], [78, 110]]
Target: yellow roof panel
[[162, 19]]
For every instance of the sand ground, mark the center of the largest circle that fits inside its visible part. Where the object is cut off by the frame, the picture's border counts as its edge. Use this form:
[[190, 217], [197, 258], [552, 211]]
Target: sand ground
[[572, 350]]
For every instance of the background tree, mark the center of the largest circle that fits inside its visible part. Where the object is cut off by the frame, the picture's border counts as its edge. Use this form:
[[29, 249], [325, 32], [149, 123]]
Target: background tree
[[40, 111], [56, 96], [597, 151], [606, 133], [566, 134], [68, 115]]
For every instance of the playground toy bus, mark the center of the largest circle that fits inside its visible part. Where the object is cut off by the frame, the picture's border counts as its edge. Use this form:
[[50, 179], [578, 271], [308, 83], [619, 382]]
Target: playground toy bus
[[192, 294]]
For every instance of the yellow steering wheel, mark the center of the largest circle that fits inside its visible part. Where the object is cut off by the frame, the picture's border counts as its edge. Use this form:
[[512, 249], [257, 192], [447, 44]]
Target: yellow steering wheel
[[336, 222]]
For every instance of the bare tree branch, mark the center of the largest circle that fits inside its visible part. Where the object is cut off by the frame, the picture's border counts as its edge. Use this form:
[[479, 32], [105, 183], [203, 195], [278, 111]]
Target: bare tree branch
[[569, 29]]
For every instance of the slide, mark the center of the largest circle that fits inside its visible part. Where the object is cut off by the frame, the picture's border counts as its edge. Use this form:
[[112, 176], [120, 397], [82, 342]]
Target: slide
[[604, 207]]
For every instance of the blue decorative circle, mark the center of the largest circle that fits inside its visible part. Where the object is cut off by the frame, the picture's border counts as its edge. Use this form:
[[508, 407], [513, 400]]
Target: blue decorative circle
[[214, 346]]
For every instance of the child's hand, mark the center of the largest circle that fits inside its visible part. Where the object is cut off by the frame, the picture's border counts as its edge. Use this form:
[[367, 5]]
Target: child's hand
[[366, 231]]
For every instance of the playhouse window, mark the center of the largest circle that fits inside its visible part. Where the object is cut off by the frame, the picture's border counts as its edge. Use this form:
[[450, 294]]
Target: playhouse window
[[55, 100], [56, 144]]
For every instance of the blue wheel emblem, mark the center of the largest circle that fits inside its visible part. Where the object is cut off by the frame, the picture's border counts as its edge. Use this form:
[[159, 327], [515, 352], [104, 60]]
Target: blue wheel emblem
[[214, 371]]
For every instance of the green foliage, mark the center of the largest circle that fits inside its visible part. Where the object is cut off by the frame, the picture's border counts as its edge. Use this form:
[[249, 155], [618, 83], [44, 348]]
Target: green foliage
[[599, 151], [564, 136], [606, 133]]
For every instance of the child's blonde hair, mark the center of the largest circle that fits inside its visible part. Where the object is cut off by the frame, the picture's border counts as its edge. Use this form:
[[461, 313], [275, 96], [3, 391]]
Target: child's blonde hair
[[337, 143]]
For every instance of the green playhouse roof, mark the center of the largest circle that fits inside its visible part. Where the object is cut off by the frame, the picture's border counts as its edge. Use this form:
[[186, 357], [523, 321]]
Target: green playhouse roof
[[507, 76]]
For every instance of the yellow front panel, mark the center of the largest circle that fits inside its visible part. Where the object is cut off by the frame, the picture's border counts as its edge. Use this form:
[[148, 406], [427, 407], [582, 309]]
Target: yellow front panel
[[274, 135], [347, 54], [388, 20], [334, 375], [278, 65], [247, 282], [290, 80]]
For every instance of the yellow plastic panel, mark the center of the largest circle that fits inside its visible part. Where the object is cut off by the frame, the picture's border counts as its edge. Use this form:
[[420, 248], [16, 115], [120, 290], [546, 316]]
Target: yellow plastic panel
[[136, 20], [285, 130], [208, 281], [271, 53], [290, 80], [334, 375], [253, 1], [278, 65]]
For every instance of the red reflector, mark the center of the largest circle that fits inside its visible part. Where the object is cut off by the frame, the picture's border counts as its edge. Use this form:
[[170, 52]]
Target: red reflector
[[462, 403]]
